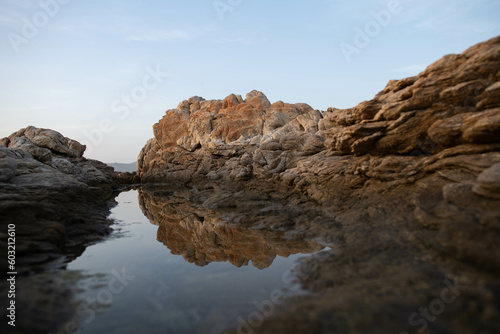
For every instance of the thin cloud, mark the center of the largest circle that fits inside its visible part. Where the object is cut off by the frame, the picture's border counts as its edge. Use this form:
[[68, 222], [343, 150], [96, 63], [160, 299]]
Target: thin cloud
[[485, 27], [11, 13], [8, 21], [417, 68], [128, 33], [10, 17], [241, 40], [125, 70], [160, 36], [24, 4]]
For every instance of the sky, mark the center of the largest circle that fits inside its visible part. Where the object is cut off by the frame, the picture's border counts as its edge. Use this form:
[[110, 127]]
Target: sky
[[103, 72]]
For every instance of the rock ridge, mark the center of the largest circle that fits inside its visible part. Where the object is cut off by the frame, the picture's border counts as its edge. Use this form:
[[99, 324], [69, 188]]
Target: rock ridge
[[453, 103]]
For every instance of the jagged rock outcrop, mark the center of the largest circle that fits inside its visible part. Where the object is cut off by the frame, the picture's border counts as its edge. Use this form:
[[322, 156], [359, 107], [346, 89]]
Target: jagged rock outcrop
[[409, 180], [41, 157], [199, 229], [205, 138]]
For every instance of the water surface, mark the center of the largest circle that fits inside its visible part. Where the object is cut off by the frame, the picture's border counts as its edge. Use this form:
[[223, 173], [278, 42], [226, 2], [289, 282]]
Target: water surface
[[181, 271]]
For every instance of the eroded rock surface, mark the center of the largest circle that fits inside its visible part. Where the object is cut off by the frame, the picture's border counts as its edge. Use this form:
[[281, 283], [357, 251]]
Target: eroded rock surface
[[453, 103], [408, 179], [45, 174], [59, 202]]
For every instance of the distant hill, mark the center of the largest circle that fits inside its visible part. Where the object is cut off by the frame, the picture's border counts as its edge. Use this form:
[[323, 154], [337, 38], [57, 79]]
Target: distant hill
[[131, 167]]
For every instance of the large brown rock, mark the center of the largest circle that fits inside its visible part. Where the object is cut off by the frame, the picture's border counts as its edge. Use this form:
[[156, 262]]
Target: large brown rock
[[409, 179], [190, 145], [451, 103]]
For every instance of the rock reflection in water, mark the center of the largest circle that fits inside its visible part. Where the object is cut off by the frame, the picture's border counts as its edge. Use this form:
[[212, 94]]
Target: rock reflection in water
[[203, 235]]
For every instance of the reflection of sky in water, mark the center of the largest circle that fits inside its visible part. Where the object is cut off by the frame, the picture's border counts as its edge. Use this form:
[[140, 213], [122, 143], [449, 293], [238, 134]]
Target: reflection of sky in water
[[168, 294]]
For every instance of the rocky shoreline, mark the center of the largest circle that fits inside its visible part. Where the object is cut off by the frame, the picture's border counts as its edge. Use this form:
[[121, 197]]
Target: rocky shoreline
[[59, 203], [410, 181], [405, 187]]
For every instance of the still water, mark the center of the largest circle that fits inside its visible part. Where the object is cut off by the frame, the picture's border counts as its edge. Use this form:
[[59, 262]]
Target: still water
[[172, 267]]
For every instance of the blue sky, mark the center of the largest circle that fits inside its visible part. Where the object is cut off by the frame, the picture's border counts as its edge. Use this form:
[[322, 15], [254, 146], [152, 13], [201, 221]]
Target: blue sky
[[71, 72]]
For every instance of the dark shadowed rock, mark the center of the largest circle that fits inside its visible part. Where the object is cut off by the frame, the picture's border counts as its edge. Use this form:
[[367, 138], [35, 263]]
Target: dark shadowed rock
[[59, 203]]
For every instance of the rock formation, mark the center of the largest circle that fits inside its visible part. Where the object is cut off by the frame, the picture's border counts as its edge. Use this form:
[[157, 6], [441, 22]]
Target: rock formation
[[450, 109], [42, 157], [207, 138], [59, 203], [410, 181]]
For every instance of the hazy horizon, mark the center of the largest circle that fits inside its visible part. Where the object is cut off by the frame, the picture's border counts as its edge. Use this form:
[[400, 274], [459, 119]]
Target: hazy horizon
[[73, 66]]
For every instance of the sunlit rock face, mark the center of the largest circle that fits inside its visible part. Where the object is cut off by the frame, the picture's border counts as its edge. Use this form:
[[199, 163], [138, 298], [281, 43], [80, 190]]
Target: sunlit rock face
[[199, 137], [454, 103], [203, 235]]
